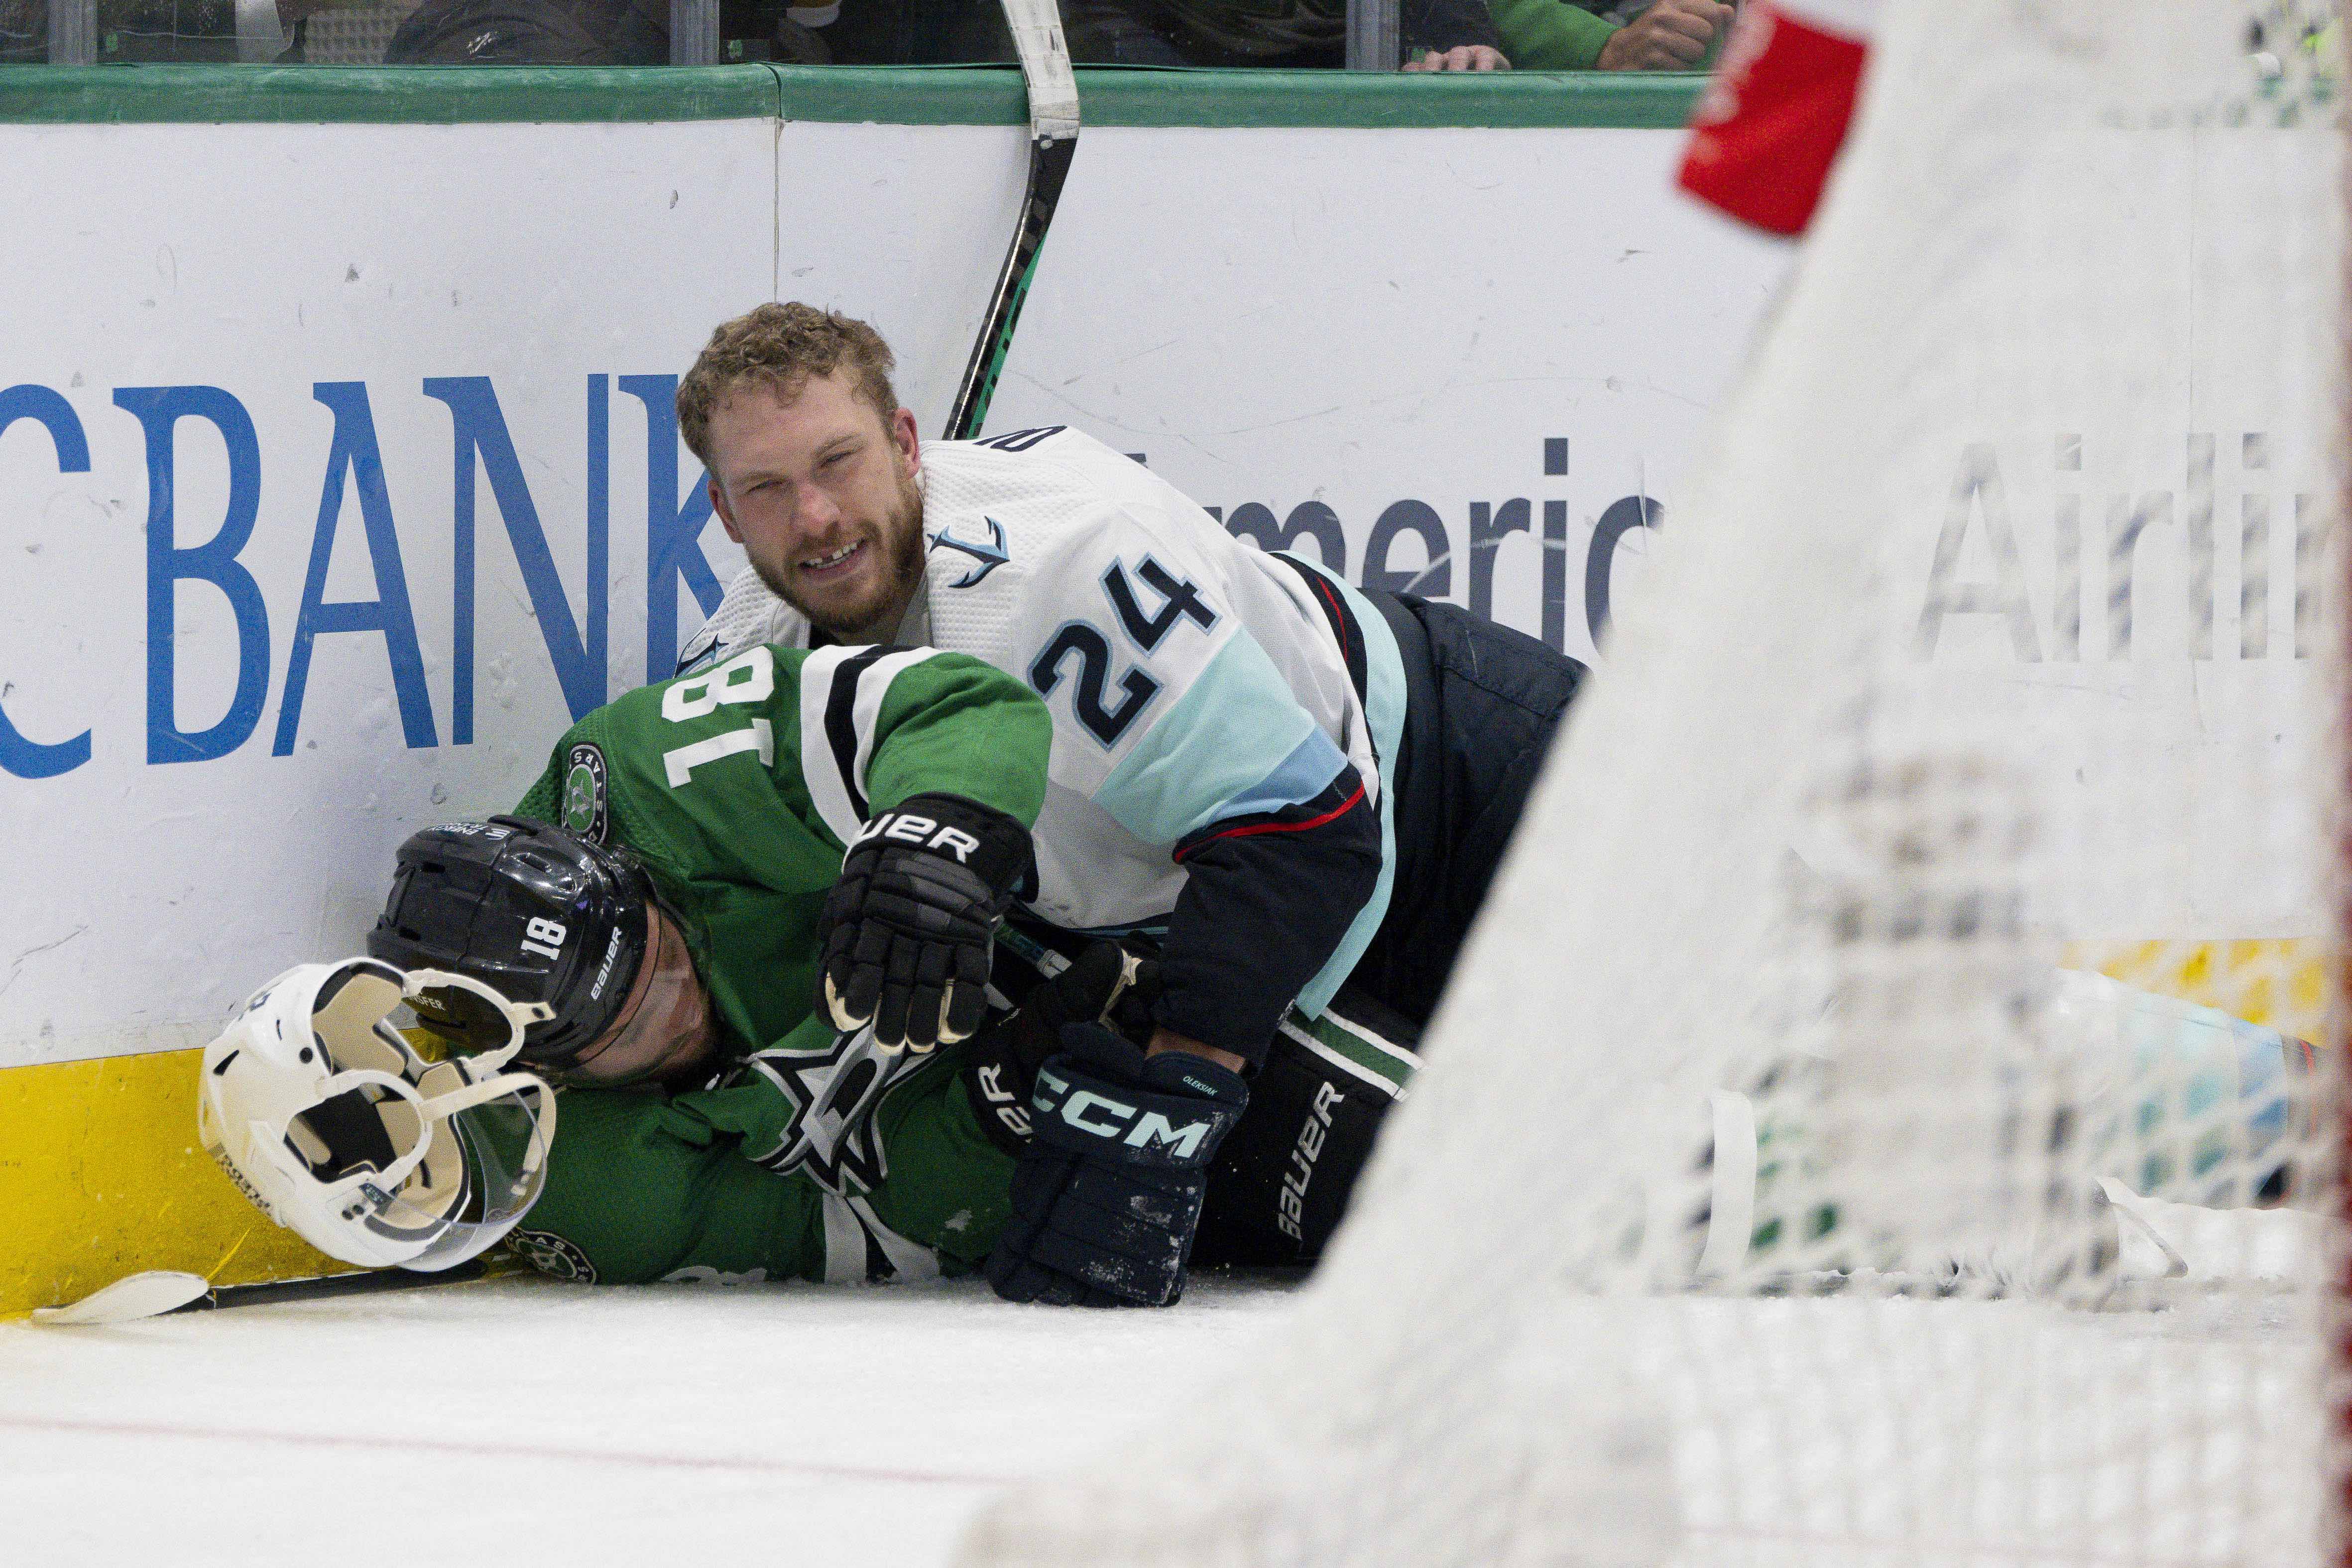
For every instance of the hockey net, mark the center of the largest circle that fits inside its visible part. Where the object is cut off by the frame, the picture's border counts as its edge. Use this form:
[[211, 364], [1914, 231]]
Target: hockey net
[[1788, 1184]]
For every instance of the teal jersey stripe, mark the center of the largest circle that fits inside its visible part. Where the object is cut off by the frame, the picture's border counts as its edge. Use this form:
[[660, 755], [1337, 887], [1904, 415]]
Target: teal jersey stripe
[[1236, 725], [1384, 710], [1307, 773]]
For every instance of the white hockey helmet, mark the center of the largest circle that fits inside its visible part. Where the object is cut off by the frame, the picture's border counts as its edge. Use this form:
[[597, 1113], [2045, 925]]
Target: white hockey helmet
[[331, 1123]]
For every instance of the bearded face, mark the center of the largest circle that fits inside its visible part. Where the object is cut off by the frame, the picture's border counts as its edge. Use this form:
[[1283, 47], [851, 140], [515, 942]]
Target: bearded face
[[820, 489]]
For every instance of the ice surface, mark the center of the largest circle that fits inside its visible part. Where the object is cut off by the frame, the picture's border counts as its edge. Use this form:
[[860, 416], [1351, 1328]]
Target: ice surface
[[520, 1421], [516, 1422]]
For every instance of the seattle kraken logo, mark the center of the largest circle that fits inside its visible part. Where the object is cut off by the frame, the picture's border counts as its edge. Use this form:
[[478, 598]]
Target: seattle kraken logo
[[989, 555]]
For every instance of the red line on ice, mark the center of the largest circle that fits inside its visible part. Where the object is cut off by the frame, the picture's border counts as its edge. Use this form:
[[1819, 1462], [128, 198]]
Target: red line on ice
[[1982, 1551], [496, 1450]]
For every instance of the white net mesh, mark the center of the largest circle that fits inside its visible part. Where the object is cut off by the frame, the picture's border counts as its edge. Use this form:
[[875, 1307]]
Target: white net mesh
[[1787, 1185]]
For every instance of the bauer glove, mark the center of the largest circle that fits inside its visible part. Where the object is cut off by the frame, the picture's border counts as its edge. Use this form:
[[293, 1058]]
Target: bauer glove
[[1106, 1198], [906, 928]]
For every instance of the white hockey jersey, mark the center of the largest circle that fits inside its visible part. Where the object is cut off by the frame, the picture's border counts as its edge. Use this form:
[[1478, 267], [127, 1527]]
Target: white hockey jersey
[[1191, 676]]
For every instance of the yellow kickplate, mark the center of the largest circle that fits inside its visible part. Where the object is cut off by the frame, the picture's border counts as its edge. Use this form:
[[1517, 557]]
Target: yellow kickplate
[[101, 1175], [2281, 982]]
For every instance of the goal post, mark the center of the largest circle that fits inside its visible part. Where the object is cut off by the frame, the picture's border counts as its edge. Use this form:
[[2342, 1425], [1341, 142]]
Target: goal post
[[1821, 1158]]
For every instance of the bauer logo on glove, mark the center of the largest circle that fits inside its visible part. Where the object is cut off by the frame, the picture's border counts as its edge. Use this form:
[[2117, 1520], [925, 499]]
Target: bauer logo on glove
[[907, 927], [907, 827]]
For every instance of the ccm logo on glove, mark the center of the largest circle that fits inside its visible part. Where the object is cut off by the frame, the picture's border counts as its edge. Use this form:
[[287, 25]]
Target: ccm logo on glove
[[1109, 1193], [1104, 1116]]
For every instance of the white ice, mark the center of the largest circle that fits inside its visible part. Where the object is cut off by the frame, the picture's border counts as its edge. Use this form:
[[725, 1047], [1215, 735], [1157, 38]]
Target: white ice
[[522, 1421]]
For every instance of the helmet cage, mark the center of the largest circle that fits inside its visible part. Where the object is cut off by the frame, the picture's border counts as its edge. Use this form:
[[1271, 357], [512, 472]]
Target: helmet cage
[[333, 1125]]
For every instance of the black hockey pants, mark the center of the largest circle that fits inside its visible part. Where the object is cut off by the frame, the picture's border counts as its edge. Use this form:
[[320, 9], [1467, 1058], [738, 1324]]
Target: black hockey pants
[[1482, 704]]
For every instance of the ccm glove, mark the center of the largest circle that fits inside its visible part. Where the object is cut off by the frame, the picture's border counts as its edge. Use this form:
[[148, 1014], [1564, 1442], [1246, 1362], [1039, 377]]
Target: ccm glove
[[906, 930], [1108, 982], [1108, 1194]]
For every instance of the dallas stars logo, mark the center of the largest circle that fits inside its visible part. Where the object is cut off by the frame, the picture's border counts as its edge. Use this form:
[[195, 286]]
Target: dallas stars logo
[[551, 1254], [834, 1094], [584, 809]]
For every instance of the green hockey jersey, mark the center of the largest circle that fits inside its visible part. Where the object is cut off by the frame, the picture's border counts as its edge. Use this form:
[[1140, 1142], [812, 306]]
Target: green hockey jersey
[[813, 1157]]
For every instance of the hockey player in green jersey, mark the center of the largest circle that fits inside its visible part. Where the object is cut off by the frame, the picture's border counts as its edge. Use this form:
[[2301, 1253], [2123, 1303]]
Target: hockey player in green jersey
[[663, 892]]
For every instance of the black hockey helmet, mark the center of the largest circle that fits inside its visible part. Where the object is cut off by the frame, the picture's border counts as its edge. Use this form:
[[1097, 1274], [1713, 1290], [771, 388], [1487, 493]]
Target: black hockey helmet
[[538, 914]]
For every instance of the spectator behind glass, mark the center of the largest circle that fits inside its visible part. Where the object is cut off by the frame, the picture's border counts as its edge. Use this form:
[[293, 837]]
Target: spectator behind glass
[[533, 32], [1556, 36], [178, 32], [1439, 34], [24, 32], [438, 32]]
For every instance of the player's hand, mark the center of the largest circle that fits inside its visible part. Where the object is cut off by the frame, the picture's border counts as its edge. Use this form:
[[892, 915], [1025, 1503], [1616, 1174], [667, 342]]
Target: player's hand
[[1465, 58], [1109, 983], [906, 930], [1106, 1198], [1671, 35]]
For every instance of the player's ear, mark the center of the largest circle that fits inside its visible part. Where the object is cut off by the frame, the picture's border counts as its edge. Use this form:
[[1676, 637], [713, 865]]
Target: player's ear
[[903, 436], [719, 504]]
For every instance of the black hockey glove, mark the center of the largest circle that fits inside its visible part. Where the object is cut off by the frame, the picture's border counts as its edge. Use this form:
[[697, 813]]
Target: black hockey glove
[[906, 928], [1108, 982], [1106, 1198]]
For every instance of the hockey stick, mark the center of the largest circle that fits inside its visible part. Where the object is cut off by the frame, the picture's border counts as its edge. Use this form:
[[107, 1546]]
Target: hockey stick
[[160, 1292], [1052, 137]]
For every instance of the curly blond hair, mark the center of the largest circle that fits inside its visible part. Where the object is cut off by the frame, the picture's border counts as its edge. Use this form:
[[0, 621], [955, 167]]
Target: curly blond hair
[[780, 347]]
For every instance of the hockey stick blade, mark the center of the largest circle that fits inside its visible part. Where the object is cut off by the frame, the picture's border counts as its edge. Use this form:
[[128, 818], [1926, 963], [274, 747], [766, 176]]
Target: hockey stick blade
[[1053, 90], [127, 1301], [160, 1292]]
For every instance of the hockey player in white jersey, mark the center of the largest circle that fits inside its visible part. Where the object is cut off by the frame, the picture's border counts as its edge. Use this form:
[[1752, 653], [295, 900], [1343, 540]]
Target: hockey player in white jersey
[[1290, 783]]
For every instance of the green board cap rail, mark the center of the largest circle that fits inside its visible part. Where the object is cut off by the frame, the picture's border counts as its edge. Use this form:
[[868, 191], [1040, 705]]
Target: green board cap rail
[[905, 95]]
